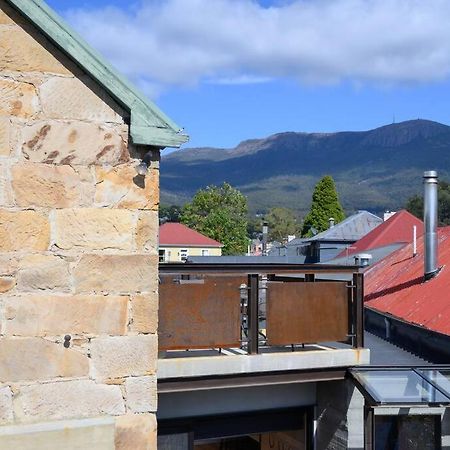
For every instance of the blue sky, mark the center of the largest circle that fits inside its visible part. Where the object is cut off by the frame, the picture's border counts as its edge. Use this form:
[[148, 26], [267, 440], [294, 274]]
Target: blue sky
[[229, 70]]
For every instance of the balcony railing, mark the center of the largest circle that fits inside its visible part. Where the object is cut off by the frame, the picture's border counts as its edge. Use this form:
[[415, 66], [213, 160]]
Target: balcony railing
[[259, 307]]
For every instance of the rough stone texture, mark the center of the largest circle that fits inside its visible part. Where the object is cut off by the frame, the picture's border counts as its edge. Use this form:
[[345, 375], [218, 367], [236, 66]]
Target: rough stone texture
[[74, 142], [45, 185], [43, 272], [70, 98], [137, 432], [116, 273], [120, 356], [122, 187], [23, 360], [38, 315], [141, 394], [22, 53], [5, 136], [6, 195], [18, 99], [94, 228], [67, 400], [8, 264], [6, 406], [73, 217], [23, 230], [145, 313], [84, 434], [6, 284], [147, 232]]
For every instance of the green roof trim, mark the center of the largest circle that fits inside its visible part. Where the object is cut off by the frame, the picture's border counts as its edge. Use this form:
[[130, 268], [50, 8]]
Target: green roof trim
[[149, 125]]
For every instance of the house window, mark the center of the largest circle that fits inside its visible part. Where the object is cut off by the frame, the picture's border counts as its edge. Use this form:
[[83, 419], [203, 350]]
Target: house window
[[205, 252], [184, 254], [162, 256]]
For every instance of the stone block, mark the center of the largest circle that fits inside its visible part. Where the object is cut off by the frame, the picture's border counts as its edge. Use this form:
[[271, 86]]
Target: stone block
[[67, 400], [6, 284], [45, 185], [71, 98], [5, 136], [136, 432], [122, 187], [18, 99], [74, 143], [141, 394], [116, 273], [43, 272], [122, 356], [145, 313], [21, 52], [84, 434], [23, 231], [6, 194], [94, 228], [8, 264], [6, 406], [147, 232], [39, 315], [33, 359]]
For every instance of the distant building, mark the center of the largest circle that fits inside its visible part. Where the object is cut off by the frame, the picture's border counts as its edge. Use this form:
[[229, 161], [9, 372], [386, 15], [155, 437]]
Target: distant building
[[177, 242], [396, 232], [330, 243]]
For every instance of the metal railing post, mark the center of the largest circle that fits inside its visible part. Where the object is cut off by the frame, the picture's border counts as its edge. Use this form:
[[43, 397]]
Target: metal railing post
[[358, 310], [253, 313]]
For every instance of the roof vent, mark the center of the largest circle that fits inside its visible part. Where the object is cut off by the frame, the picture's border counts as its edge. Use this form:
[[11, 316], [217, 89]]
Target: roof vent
[[363, 259]]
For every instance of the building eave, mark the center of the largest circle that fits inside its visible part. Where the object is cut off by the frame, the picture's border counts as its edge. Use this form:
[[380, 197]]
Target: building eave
[[148, 124]]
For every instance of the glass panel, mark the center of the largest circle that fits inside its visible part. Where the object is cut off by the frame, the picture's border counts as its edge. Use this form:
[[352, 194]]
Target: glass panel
[[407, 433], [441, 378], [399, 386]]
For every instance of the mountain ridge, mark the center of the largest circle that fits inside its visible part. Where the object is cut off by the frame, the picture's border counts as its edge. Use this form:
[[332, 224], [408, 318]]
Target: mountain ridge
[[384, 163]]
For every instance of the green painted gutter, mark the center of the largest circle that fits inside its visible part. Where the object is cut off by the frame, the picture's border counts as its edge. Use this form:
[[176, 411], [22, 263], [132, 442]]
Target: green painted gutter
[[149, 125]]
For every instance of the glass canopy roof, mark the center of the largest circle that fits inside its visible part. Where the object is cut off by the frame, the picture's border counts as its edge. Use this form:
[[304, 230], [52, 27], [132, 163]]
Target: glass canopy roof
[[404, 386]]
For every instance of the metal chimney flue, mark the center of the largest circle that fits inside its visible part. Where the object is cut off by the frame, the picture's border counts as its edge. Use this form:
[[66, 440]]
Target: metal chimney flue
[[430, 218]]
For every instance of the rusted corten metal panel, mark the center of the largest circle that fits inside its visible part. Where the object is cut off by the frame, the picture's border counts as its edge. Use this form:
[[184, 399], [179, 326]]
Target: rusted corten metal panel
[[300, 313], [202, 313]]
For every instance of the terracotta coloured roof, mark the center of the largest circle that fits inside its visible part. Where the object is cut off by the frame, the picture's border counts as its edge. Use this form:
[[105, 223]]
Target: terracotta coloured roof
[[395, 286], [398, 228], [172, 233]]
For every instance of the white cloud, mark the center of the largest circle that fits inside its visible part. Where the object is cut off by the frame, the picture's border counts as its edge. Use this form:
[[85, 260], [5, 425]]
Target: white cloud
[[160, 43]]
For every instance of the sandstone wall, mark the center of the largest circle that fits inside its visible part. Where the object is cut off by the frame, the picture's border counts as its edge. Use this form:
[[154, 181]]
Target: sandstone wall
[[78, 248]]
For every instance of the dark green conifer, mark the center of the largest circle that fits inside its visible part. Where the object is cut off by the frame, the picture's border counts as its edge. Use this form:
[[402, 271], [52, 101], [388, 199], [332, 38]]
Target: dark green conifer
[[325, 205]]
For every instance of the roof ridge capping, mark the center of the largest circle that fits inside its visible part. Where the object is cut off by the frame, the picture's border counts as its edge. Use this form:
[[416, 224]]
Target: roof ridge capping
[[148, 124]]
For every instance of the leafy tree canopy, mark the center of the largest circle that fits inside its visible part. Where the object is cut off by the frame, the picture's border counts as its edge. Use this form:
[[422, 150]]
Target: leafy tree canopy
[[219, 212], [325, 205], [169, 213], [282, 222], [415, 204]]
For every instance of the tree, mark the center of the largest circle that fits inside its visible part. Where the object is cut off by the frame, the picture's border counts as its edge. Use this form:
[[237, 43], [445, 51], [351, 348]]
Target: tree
[[282, 223], [325, 205], [219, 212], [415, 204], [169, 213]]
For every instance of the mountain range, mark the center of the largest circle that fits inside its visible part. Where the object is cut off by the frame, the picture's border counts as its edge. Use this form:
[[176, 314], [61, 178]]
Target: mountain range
[[376, 170]]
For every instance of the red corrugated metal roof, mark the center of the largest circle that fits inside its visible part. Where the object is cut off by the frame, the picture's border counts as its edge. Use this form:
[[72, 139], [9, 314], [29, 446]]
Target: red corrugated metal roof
[[398, 228], [395, 285], [172, 233]]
